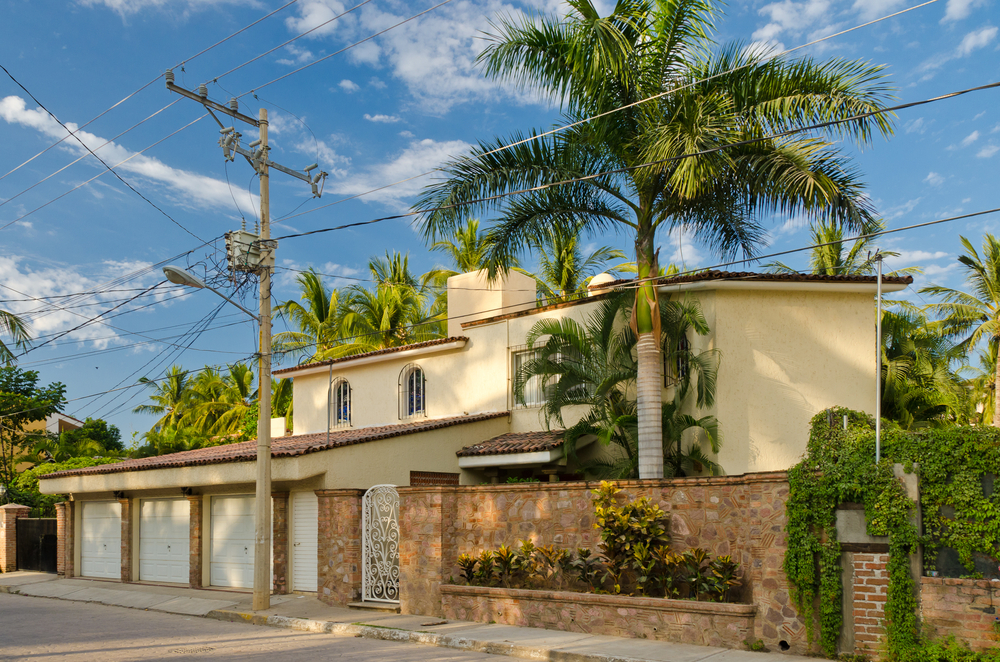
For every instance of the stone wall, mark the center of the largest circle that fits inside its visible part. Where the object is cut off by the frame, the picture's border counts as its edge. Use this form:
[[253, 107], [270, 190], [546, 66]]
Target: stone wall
[[339, 549], [61, 539], [743, 516], [684, 621], [196, 543], [9, 515], [966, 608], [279, 538], [126, 541]]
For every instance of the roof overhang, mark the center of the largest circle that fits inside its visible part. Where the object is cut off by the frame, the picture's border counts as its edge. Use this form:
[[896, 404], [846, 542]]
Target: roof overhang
[[510, 459], [782, 285], [379, 358]]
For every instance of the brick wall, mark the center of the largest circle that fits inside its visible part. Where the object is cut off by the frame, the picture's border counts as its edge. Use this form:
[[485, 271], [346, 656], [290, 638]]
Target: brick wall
[[339, 548], [279, 536], [196, 542], [61, 539], [69, 541], [966, 608], [9, 515], [126, 539], [424, 478], [870, 586], [743, 516]]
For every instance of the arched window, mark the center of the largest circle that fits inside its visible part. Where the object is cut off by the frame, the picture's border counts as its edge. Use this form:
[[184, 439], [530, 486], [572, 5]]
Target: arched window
[[340, 403], [412, 397]]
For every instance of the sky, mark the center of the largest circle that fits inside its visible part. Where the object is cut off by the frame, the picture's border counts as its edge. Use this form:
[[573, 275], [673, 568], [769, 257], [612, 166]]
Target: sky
[[370, 114]]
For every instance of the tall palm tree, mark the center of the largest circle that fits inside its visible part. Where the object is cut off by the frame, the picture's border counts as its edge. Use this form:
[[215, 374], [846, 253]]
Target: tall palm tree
[[563, 268], [831, 256], [170, 398], [317, 320], [973, 317], [220, 400], [17, 329], [466, 250], [639, 178]]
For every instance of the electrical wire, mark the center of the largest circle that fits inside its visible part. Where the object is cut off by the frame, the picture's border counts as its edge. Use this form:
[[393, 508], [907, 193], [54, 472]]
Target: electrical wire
[[618, 171]]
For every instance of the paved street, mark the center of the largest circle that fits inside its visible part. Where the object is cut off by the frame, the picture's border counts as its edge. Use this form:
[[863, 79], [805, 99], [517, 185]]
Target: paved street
[[40, 629]]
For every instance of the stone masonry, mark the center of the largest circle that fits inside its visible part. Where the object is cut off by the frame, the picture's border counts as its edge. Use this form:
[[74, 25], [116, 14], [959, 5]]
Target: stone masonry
[[967, 608], [279, 536], [9, 515], [743, 516], [339, 549], [61, 539], [196, 504], [127, 525]]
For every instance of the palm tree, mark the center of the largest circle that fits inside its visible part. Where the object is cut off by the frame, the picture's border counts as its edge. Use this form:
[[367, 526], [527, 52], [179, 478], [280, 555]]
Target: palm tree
[[830, 255], [219, 401], [563, 269], [592, 365], [973, 317], [466, 250], [317, 321], [170, 398], [638, 177], [17, 329]]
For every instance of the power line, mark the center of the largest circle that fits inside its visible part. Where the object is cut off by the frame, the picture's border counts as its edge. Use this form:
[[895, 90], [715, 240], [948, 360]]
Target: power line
[[92, 153], [618, 171], [129, 96], [565, 127]]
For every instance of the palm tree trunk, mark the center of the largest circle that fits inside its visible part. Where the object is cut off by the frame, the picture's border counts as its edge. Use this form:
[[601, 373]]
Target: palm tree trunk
[[646, 324]]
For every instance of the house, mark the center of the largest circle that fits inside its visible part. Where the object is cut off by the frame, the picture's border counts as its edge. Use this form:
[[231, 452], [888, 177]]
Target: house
[[442, 412], [55, 424]]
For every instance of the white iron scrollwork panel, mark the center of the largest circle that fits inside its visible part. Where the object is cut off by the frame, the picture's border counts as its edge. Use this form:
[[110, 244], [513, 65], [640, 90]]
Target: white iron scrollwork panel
[[380, 544]]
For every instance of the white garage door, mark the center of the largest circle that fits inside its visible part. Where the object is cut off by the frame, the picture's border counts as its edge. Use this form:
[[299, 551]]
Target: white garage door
[[232, 541], [164, 540], [305, 517], [101, 540]]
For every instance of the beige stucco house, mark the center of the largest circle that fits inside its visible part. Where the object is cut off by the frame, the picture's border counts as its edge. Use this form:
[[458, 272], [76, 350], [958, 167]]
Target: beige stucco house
[[442, 412]]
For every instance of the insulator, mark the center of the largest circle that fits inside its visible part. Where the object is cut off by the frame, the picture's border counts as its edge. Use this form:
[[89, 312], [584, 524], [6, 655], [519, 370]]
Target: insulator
[[169, 75], [234, 104], [203, 90]]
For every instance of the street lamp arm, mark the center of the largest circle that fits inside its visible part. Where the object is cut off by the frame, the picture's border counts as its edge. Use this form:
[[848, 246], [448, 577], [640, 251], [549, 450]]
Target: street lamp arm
[[255, 318], [179, 276]]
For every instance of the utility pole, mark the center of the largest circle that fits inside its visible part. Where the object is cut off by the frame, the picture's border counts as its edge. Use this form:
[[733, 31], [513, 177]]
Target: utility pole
[[878, 361], [252, 253]]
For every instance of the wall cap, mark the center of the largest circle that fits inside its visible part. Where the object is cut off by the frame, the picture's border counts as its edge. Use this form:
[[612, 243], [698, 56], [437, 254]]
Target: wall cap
[[955, 581], [625, 601]]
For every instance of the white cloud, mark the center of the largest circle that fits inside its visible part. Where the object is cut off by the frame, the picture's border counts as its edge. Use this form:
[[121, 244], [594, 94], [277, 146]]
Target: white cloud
[[975, 40], [959, 9], [299, 56], [916, 126], [934, 179], [988, 151], [407, 134], [971, 138], [330, 160], [187, 188], [683, 251], [349, 86], [314, 13], [377, 83], [872, 9], [901, 210], [419, 157], [383, 119], [285, 276], [125, 7]]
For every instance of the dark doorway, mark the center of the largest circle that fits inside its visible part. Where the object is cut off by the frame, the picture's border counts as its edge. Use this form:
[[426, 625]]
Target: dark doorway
[[36, 544]]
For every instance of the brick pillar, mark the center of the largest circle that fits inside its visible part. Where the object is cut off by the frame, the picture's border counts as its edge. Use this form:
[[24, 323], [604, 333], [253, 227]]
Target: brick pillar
[[870, 587], [69, 562], [279, 535], [126, 539], [9, 515], [426, 547], [339, 546], [195, 544], [61, 539]]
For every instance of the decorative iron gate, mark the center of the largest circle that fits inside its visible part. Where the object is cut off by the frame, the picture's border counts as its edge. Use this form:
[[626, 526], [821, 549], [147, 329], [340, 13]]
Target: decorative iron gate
[[380, 544], [36, 544]]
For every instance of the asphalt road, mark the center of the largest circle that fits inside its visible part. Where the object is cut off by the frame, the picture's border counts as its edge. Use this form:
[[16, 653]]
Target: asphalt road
[[42, 629]]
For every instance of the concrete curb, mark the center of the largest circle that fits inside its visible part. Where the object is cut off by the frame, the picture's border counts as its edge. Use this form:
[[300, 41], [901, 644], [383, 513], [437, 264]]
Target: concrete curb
[[413, 637]]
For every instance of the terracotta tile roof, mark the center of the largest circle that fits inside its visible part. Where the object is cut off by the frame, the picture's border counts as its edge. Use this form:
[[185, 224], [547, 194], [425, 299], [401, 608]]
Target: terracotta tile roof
[[515, 442], [697, 277], [379, 352], [282, 447]]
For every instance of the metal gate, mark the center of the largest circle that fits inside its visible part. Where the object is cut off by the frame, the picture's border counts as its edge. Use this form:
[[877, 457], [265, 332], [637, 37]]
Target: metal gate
[[36, 544], [380, 544]]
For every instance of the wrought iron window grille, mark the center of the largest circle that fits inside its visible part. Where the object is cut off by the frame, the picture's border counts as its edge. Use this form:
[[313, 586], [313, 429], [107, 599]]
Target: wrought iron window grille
[[412, 392], [676, 365], [340, 404]]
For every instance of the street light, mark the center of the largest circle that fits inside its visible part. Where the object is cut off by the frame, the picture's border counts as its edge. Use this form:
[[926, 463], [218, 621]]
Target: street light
[[262, 519]]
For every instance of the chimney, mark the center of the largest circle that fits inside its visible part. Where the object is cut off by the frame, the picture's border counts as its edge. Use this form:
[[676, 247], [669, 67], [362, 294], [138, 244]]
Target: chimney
[[471, 296]]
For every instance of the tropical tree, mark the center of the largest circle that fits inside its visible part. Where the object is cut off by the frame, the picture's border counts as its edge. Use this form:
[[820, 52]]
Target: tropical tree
[[22, 402], [15, 327], [466, 251], [975, 317], [563, 268], [592, 366], [666, 148], [170, 398], [316, 319], [220, 400], [831, 255]]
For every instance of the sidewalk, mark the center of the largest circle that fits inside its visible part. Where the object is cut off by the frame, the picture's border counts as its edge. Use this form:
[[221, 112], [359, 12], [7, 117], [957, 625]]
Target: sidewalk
[[306, 613]]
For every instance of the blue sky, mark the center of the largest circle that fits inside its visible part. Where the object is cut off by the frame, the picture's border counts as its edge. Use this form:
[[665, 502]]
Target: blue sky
[[394, 107]]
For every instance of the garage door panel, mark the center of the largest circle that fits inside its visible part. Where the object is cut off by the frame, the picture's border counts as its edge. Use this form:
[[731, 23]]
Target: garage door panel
[[164, 540], [305, 519], [232, 541], [100, 539]]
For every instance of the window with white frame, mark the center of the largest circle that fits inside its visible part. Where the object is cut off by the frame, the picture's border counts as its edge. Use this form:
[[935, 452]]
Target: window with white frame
[[340, 403], [533, 393], [412, 392], [676, 370]]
